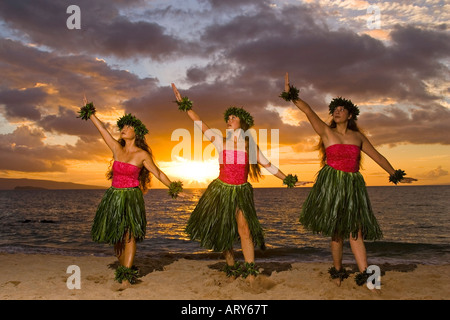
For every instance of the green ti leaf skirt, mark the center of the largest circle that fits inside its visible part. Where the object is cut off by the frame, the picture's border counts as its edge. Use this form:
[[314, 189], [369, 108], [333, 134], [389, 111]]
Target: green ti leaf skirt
[[213, 221], [121, 210], [339, 205]]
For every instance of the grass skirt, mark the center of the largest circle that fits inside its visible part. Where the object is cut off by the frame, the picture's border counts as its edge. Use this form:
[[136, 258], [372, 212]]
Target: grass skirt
[[338, 205], [213, 221], [121, 210]]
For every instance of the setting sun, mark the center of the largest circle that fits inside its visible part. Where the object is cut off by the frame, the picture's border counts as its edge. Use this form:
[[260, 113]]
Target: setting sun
[[192, 172]]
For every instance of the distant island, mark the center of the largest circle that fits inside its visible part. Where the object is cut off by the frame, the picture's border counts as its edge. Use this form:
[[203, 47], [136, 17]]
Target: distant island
[[34, 184], [29, 188]]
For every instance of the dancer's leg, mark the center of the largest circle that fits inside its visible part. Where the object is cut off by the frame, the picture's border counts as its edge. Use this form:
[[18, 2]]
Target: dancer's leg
[[359, 251], [126, 250], [336, 246], [229, 257], [129, 252], [248, 249]]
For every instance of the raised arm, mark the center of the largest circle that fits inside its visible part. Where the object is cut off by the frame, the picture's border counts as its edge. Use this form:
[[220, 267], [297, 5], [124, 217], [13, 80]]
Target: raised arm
[[318, 125], [88, 112], [195, 117], [112, 143]]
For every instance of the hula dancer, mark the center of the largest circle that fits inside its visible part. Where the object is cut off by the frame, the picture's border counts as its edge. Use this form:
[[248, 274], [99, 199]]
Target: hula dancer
[[338, 205], [226, 211], [120, 219]]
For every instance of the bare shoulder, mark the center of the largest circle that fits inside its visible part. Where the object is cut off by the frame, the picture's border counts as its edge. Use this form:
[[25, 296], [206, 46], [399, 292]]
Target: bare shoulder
[[144, 156], [360, 136]]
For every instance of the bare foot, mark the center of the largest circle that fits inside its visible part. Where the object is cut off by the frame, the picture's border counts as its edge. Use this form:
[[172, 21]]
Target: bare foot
[[250, 279], [375, 291], [259, 284], [337, 281], [121, 286]]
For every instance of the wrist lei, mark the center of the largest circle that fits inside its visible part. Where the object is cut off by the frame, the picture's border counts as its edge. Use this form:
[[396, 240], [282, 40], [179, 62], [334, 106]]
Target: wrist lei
[[86, 111], [175, 188], [290, 180], [290, 95], [185, 104], [397, 176]]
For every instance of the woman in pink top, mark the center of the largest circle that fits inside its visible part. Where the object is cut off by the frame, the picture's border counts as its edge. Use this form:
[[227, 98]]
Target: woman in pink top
[[338, 204], [120, 218], [226, 210]]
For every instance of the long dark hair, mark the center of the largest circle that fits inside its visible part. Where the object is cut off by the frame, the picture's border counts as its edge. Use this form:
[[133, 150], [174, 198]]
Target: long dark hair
[[144, 175], [254, 168], [351, 125]]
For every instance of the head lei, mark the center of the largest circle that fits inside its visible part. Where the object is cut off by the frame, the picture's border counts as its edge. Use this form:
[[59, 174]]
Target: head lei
[[241, 114], [347, 104], [132, 121]]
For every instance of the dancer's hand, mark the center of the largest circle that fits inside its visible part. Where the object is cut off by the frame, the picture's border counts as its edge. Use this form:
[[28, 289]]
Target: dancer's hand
[[286, 82], [302, 183], [408, 180], [183, 195], [177, 94]]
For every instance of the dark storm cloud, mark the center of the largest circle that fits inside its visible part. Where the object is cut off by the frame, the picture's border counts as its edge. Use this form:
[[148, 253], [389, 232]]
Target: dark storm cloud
[[66, 122], [427, 125], [24, 150], [261, 46], [269, 42], [70, 77], [24, 66], [103, 30], [220, 4], [21, 104]]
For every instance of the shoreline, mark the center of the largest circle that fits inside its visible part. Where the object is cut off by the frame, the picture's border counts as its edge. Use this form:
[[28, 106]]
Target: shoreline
[[46, 277]]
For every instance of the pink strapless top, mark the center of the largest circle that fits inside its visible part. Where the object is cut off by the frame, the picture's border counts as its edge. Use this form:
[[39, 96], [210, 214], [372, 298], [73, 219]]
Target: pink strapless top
[[344, 157], [125, 175], [233, 166]]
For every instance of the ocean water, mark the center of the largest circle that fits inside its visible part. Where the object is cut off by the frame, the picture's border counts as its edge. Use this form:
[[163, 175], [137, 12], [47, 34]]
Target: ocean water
[[415, 221]]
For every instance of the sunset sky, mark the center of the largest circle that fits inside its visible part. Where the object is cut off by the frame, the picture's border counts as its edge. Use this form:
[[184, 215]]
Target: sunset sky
[[222, 53]]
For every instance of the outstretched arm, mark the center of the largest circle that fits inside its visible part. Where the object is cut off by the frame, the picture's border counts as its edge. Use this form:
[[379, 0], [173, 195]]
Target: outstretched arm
[[150, 165], [264, 162], [369, 149]]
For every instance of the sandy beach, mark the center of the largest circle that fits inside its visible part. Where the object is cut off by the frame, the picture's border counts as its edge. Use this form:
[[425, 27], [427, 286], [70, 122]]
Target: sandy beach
[[26, 276]]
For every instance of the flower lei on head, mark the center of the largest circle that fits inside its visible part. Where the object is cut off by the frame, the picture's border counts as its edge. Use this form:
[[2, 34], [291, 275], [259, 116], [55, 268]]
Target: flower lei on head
[[132, 121], [86, 111], [241, 114], [347, 104]]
